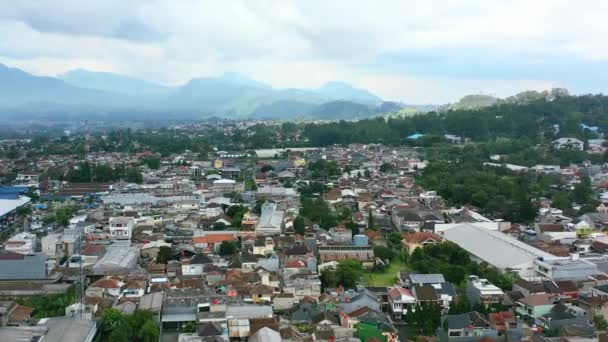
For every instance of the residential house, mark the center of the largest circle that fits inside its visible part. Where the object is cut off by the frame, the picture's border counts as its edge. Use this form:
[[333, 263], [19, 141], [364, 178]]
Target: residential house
[[195, 265], [480, 290], [411, 241], [105, 287], [400, 301], [470, 326], [121, 228], [533, 306]]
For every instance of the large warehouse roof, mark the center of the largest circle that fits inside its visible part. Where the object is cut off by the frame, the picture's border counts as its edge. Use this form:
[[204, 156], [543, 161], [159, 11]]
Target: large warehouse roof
[[8, 205], [496, 248]]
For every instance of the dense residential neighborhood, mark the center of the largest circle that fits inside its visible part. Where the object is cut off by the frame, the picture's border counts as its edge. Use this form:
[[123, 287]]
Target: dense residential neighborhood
[[338, 243]]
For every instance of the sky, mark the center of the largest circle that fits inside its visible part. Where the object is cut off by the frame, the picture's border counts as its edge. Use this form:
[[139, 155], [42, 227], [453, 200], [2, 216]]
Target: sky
[[432, 51]]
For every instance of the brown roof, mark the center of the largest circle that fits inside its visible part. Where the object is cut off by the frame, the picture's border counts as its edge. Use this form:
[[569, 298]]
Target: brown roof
[[566, 286], [256, 324], [420, 237], [538, 299], [21, 313], [360, 311], [107, 283], [94, 250], [550, 227]]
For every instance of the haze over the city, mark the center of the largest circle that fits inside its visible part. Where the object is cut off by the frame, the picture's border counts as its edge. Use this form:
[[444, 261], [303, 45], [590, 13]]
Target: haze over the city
[[409, 51]]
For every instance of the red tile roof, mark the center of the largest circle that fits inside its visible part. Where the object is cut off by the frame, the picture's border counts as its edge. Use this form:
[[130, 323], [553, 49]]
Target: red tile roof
[[214, 238]]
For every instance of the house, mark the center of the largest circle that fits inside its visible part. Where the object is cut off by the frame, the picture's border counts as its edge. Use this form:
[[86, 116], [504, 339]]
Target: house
[[261, 246], [411, 241], [121, 228], [562, 315], [532, 307], [195, 265], [416, 279], [568, 143], [470, 326], [210, 241], [505, 323], [261, 293], [135, 287], [22, 243], [400, 301], [12, 313], [407, 219], [271, 220], [105, 287], [597, 221], [426, 294], [482, 291], [283, 301], [351, 300], [265, 335], [150, 250], [594, 305]]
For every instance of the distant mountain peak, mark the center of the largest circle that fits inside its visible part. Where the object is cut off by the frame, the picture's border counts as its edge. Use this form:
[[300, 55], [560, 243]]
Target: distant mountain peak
[[242, 80], [340, 90], [112, 82]]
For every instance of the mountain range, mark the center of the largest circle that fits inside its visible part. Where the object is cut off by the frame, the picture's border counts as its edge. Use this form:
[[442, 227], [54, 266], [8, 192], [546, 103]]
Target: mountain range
[[231, 95]]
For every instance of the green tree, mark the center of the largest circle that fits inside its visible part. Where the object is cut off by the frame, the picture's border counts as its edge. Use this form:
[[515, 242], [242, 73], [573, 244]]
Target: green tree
[[387, 168], [384, 253], [600, 322], [150, 331], [152, 162], [562, 201], [299, 225], [394, 239], [219, 226], [348, 274], [165, 254], [370, 220], [228, 248], [266, 168]]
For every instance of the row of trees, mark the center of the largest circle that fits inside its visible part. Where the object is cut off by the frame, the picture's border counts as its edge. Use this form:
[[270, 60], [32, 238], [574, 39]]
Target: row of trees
[[533, 120], [103, 173], [496, 191]]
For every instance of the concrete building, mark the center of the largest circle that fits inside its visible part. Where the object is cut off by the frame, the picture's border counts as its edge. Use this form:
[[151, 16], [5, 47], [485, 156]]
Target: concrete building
[[568, 269], [121, 228], [482, 291]]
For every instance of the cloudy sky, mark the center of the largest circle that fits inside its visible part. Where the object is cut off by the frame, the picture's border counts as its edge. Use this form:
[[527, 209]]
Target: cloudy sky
[[412, 51]]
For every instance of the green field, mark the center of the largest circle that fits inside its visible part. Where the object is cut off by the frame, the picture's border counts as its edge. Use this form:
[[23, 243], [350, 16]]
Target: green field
[[387, 276]]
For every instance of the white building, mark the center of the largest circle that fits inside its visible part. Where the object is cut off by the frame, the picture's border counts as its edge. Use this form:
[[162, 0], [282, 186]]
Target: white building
[[121, 228], [482, 291], [497, 249], [271, 220], [568, 143], [22, 243], [400, 300]]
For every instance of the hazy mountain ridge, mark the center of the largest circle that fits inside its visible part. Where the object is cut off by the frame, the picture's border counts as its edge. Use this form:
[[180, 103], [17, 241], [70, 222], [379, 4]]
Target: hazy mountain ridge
[[229, 95]]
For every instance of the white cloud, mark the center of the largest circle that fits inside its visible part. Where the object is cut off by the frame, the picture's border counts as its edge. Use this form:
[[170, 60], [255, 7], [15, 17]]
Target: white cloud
[[304, 43]]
